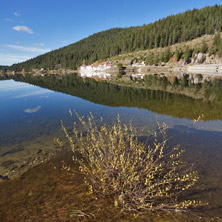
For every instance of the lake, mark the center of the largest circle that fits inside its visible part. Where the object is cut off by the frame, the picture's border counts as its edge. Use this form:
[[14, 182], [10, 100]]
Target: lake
[[31, 109]]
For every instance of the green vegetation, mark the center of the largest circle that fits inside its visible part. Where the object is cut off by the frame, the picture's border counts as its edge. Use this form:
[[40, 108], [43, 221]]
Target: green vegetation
[[166, 55], [137, 177], [100, 46], [155, 98], [185, 52], [217, 44], [204, 47]]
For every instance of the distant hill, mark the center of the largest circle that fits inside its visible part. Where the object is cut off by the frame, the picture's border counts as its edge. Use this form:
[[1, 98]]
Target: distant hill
[[100, 46]]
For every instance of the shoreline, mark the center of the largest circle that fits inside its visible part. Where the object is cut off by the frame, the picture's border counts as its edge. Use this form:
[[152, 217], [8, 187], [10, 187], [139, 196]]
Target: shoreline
[[214, 69]]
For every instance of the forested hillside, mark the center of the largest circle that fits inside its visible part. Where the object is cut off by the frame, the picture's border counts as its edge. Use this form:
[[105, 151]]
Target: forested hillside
[[173, 29]]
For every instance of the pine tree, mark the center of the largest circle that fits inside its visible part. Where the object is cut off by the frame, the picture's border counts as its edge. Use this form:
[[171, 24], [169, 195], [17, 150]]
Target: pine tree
[[167, 55]]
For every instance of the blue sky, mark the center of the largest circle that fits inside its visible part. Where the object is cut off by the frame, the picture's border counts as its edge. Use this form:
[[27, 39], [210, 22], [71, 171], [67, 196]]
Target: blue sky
[[33, 27]]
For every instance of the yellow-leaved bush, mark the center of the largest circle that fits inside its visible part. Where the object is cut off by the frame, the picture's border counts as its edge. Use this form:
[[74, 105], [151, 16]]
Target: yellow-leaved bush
[[138, 177]]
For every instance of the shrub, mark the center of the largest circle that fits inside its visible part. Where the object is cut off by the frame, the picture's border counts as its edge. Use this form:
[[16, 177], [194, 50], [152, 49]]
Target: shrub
[[138, 177]]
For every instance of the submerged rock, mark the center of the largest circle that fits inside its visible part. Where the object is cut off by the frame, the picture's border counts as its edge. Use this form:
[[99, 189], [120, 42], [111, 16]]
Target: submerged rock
[[3, 178]]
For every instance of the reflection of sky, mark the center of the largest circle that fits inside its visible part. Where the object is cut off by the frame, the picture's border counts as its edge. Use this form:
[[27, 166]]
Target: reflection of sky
[[33, 110], [19, 99], [10, 85], [22, 104], [32, 93], [10, 88], [30, 117]]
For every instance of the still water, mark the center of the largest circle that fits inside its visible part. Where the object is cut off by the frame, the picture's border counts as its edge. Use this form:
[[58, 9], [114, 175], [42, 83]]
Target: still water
[[31, 110]]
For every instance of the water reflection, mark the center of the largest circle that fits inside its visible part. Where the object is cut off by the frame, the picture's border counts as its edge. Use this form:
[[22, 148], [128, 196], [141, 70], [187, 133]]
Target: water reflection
[[96, 75], [30, 115], [175, 97]]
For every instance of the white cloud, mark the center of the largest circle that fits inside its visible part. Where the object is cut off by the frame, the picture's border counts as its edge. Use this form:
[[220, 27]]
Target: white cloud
[[28, 48], [39, 44], [8, 20], [22, 28], [8, 59], [11, 85], [16, 14], [17, 53], [33, 110], [35, 93]]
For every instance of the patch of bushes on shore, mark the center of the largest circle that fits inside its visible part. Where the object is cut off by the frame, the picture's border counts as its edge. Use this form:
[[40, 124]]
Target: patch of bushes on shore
[[139, 178]]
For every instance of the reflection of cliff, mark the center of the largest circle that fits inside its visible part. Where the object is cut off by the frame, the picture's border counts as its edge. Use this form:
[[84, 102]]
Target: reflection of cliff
[[158, 101]]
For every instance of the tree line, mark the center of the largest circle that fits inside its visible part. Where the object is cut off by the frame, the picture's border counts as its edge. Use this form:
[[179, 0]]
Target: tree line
[[100, 46]]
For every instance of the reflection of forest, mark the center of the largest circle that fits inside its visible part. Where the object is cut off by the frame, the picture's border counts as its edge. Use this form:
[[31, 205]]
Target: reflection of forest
[[155, 99]]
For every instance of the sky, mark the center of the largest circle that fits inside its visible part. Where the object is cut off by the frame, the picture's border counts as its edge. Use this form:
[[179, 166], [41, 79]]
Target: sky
[[33, 27]]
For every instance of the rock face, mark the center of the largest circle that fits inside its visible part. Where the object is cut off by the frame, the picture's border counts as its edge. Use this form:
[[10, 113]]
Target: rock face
[[205, 58], [197, 78], [203, 63]]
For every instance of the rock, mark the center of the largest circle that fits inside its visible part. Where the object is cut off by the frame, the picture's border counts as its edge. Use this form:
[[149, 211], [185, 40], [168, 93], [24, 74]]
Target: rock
[[163, 63], [197, 78], [182, 62], [3, 177], [199, 56]]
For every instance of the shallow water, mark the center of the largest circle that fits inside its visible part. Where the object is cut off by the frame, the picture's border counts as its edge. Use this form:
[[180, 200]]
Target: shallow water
[[30, 118]]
